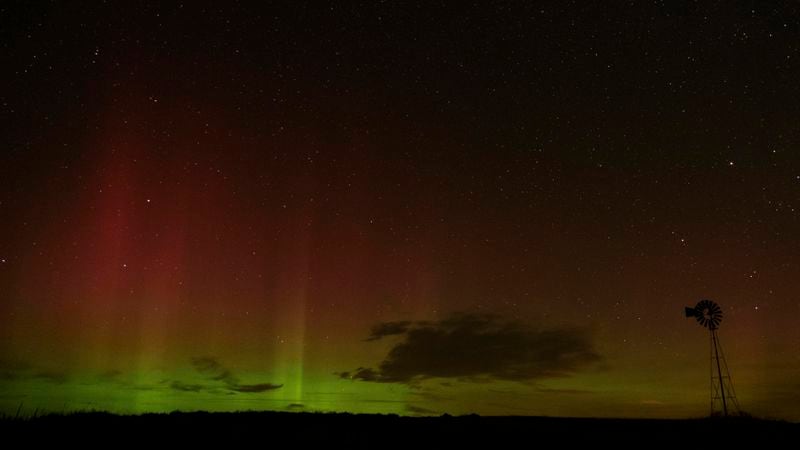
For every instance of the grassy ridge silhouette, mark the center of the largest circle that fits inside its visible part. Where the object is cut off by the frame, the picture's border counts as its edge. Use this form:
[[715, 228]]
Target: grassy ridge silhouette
[[380, 430]]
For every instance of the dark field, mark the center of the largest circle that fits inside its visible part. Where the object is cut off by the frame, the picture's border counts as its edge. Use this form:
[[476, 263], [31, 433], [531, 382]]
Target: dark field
[[388, 430]]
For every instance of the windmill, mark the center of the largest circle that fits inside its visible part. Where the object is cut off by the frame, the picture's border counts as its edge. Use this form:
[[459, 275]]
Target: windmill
[[709, 315]]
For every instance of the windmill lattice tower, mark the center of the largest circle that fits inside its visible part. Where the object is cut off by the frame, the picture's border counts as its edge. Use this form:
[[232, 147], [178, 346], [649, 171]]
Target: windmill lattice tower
[[723, 396]]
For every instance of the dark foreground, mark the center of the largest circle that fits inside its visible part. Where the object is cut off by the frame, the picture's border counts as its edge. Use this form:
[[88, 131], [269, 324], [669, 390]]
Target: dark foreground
[[386, 430]]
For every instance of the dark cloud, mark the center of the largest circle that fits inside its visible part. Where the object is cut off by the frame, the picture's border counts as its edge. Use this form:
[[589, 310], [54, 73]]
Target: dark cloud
[[362, 373], [565, 391], [541, 390], [185, 387], [52, 376], [420, 411], [474, 347], [7, 375], [12, 369], [261, 387], [388, 329], [111, 374], [431, 395], [20, 370], [215, 371]]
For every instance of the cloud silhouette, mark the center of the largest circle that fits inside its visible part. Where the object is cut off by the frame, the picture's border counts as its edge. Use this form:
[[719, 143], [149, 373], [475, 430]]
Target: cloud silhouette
[[362, 373], [215, 371], [212, 367], [261, 387], [185, 387], [473, 347], [388, 329], [110, 375], [53, 376], [419, 411], [12, 370]]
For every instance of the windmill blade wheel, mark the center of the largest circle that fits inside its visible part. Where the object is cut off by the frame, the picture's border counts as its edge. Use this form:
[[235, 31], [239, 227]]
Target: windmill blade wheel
[[709, 314]]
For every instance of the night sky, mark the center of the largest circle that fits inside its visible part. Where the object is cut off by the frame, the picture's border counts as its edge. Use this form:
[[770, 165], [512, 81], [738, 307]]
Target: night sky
[[398, 208]]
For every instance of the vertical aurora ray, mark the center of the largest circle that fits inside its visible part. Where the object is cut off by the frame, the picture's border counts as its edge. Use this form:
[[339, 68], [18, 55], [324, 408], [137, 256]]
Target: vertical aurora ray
[[294, 283]]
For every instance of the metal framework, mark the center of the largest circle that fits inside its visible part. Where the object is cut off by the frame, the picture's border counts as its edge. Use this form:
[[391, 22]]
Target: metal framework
[[723, 396], [723, 399]]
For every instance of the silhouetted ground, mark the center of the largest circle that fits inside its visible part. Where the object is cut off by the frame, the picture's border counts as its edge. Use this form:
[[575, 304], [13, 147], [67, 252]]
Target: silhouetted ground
[[381, 431]]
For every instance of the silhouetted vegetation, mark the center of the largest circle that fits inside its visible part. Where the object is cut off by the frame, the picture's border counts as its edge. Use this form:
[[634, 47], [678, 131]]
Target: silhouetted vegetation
[[391, 430]]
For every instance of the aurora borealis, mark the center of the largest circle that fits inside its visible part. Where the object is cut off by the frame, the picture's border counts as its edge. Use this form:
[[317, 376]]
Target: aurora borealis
[[398, 208]]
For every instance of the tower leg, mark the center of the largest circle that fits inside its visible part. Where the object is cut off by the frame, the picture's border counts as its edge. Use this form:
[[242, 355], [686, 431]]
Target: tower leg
[[719, 372]]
